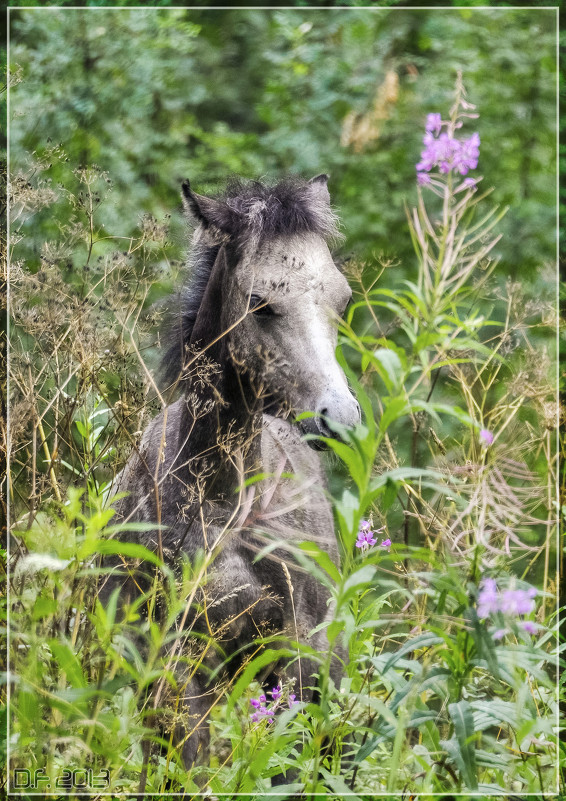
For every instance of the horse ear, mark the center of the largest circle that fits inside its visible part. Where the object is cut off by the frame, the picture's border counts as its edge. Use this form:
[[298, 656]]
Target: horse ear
[[203, 209], [319, 187]]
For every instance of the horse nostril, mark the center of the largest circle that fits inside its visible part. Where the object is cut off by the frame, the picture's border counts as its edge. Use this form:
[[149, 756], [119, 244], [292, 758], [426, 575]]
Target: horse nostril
[[322, 425]]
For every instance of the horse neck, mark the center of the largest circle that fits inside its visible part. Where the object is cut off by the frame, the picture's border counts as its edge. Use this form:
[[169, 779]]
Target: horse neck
[[219, 435], [220, 432]]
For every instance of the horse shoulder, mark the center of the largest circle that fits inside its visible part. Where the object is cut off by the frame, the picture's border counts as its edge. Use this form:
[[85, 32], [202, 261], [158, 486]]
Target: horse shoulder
[[149, 468]]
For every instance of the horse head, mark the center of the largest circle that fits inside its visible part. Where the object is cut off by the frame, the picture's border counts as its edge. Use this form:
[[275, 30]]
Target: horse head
[[270, 296]]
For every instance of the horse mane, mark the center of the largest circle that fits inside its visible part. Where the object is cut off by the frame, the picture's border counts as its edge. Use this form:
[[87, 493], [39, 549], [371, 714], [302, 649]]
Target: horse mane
[[246, 212]]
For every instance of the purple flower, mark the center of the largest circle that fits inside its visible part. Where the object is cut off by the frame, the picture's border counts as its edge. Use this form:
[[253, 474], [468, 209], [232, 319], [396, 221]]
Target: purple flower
[[518, 602], [446, 152], [488, 598], [263, 711], [486, 437], [498, 634], [365, 536], [529, 626], [467, 155], [467, 183], [385, 544], [509, 602], [433, 123]]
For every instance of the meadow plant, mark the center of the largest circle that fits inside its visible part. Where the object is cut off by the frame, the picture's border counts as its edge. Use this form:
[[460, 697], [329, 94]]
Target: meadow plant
[[444, 517]]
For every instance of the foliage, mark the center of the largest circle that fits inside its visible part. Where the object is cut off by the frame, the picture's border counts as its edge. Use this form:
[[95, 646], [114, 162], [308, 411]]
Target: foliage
[[436, 697], [317, 92]]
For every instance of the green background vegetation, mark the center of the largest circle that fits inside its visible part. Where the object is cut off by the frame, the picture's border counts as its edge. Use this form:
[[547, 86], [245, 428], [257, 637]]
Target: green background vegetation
[[156, 96]]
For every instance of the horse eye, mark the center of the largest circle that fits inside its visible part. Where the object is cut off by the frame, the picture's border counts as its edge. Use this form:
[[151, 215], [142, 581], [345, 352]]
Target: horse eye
[[260, 307]]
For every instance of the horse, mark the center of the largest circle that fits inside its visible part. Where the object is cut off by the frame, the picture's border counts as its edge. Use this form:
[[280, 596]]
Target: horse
[[253, 349]]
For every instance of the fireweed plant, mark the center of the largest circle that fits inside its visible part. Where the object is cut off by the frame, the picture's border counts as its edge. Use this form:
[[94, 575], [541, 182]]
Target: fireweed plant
[[443, 601]]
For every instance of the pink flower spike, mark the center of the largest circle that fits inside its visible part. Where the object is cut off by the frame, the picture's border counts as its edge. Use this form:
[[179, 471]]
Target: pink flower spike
[[467, 183], [486, 437], [433, 123], [488, 598]]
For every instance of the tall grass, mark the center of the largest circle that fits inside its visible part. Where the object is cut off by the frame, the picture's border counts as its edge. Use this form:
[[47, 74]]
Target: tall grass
[[444, 689]]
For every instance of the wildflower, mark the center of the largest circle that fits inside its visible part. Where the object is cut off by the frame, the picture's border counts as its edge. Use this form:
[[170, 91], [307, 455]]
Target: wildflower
[[445, 152], [467, 183], [433, 123], [486, 437], [467, 154], [365, 536], [498, 634], [518, 602], [488, 598], [261, 711], [292, 700], [529, 626], [385, 544], [513, 603]]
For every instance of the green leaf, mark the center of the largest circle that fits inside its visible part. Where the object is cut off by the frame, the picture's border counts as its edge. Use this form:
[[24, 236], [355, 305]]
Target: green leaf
[[360, 578], [425, 640], [405, 474], [334, 629], [268, 657], [321, 558], [347, 507], [389, 367], [393, 409], [351, 458], [131, 549], [463, 719], [338, 786], [81, 429], [68, 663]]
